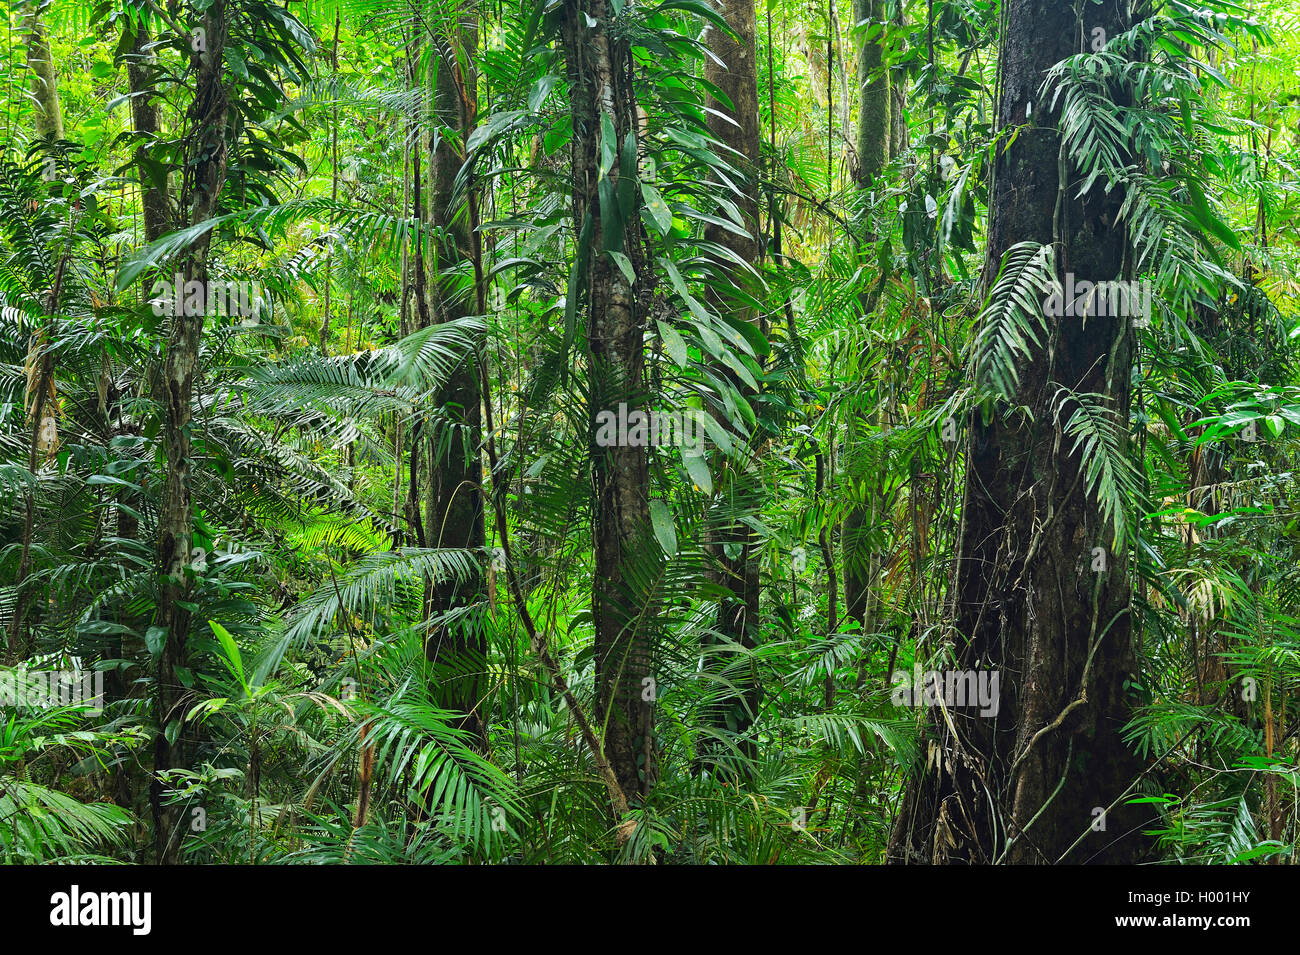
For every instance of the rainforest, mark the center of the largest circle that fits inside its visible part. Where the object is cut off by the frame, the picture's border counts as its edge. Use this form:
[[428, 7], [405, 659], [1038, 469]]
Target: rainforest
[[668, 432]]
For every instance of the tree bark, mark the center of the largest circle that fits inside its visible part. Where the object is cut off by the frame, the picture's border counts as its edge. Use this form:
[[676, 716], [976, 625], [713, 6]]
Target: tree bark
[[45, 89], [39, 400], [599, 71], [1027, 786], [873, 85], [735, 73], [205, 175], [898, 90], [155, 203], [861, 563], [454, 505]]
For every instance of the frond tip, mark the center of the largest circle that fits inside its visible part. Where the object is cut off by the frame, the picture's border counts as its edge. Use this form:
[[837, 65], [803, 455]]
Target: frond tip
[[1012, 318], [1111, 475]]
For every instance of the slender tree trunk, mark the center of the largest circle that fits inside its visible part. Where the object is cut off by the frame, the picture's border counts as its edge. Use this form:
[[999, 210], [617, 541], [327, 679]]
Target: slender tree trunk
[[898, 90], [455, 495], [873, 80], [40, 359], [733, 69], [40, 404], [155, 211], [45, 89], [419, 292], [324, 334], [599, 70], [861, 563], [155, 202], [858, 561], [1038, 782], [205, 175]]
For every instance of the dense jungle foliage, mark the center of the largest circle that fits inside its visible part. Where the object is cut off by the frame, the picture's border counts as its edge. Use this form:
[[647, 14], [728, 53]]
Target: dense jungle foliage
[[649, 431]]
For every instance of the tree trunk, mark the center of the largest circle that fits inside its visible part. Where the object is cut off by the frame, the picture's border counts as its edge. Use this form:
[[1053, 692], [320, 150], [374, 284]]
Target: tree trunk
[[205, 174], [45, 89], [736, 126], [154, 200], [156, 214], [40, 402], [873, 81], [1038, 782], [599, 71], [898, 90], [454, 505], [861, 563]]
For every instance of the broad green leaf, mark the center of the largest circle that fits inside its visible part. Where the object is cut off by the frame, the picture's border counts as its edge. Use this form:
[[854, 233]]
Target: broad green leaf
[[661, 518], [624, 265], [230, 648], [698, 468], [674, 344], [608, 145], [657, 209]]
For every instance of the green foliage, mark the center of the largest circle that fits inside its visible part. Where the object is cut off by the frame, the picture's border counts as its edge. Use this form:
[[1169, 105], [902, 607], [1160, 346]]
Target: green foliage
[[835, 377]]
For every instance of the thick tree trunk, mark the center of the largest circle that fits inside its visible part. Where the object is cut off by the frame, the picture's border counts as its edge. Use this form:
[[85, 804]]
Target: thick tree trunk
[[1031, 784], [599, 70], [454, 506], [206, 172], [734, 71]]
